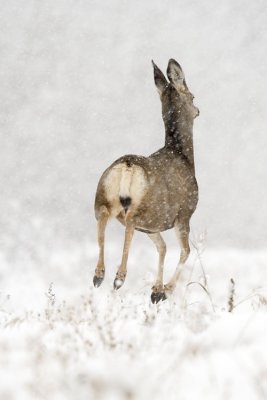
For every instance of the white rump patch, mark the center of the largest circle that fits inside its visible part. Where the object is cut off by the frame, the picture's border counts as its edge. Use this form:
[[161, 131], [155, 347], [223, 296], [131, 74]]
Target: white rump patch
[[123, 181]]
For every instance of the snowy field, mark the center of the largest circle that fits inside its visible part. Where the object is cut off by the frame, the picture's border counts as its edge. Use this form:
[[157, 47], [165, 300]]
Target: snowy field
[[76, 93], [61, 338]]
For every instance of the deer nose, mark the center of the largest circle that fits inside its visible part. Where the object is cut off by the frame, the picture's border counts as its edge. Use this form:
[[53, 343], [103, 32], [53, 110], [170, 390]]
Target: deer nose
[[197, 112]]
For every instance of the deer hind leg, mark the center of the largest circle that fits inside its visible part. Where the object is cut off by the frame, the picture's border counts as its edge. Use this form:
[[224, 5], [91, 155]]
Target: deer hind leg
[[158, 292], [103, 217], [182, 231], [121, 273]]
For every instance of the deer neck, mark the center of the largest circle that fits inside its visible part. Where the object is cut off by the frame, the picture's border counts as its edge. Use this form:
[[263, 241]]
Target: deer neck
[[179, 134]]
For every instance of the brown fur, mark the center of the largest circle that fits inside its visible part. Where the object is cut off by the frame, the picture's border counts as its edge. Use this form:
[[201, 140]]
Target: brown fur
[[162, 187]]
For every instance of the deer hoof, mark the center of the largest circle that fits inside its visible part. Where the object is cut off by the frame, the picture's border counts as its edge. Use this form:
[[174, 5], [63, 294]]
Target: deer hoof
[[97, 281], [157, 296], [118, 283]]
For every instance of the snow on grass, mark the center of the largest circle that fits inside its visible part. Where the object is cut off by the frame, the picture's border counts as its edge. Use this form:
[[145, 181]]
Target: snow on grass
[[61, 338]]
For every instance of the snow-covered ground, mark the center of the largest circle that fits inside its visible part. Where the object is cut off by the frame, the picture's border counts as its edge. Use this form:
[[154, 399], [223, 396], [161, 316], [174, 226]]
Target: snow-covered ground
[[77, 92], [61, 338]]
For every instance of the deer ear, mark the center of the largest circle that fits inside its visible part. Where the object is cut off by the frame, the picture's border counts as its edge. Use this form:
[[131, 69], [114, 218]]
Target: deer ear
[[176, 75], [159, 78]]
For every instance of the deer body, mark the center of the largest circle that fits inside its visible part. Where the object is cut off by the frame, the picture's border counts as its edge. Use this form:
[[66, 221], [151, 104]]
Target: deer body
[[155, 193], [156, 198]]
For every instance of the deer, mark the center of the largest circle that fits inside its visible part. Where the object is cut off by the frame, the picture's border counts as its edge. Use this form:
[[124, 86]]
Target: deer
[[155, 193]]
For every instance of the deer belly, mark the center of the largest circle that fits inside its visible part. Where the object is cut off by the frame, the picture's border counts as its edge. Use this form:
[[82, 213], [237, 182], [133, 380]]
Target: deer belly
[[156, 217], [125, 187]]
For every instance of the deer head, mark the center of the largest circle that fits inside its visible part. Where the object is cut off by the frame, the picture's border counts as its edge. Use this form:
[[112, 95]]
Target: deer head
[[175, 95]]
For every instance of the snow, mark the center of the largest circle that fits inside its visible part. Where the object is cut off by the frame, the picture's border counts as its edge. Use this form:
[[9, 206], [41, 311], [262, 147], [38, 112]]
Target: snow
[[61, 338], [77, 92]]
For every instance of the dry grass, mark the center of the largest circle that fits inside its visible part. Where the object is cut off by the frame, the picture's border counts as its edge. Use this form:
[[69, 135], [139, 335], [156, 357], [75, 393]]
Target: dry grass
[[69, 340]]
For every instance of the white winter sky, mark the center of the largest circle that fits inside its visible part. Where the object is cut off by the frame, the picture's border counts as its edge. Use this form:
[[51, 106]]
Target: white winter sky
[[77, 92]]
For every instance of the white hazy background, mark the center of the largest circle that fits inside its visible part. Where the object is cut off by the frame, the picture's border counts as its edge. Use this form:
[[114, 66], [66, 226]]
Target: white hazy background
[[77, 92]]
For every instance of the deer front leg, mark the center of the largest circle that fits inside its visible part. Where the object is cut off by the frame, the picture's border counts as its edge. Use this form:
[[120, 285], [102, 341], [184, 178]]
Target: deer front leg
[[121, 273], [158, 292], [103, 217], [182, 231]]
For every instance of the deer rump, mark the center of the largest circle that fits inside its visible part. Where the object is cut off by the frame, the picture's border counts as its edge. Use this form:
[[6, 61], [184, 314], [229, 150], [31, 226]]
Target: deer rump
[[149, 188]]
